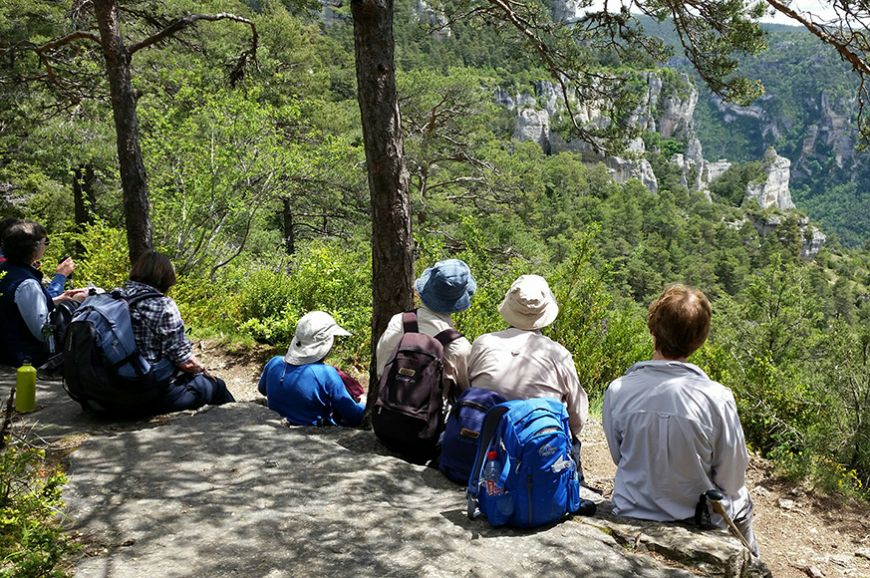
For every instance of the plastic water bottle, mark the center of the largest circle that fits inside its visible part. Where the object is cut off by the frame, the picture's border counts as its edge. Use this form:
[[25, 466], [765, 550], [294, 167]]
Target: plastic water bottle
[[491, 474], [48, 334], [25, 388]]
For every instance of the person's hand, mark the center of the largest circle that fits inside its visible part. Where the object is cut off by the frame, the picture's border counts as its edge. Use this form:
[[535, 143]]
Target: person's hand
[[66, 267], [192, 366], [71, 295]]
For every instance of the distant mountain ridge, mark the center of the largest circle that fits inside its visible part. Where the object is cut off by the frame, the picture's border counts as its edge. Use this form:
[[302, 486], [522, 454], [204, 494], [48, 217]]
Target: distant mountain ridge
[[807, 113]]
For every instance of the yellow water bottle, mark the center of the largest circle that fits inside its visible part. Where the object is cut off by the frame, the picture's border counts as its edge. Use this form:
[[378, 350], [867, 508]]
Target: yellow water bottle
[[25, 388]]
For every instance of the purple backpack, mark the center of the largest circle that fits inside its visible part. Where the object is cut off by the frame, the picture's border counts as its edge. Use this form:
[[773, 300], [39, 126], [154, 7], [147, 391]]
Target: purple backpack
[[409, 413], [459, 441]]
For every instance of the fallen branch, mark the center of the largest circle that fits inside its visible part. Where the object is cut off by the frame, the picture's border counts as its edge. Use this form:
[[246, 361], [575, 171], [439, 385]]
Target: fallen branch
[[7, 417]]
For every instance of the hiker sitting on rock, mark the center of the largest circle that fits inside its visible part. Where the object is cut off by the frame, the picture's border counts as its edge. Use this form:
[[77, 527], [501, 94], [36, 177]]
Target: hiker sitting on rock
[[304, 389], [521, 363], [64, 269], [24, 303], [445, 288], [159, 333], [674, 433]]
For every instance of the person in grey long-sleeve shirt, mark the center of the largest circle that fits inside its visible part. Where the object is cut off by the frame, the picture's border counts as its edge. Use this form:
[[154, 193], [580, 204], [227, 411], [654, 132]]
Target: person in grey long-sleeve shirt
[[673, 432]]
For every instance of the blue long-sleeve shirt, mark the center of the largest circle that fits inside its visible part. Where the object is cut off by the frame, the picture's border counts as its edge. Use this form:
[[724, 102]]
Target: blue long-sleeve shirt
[[57, 284], [311, 394]]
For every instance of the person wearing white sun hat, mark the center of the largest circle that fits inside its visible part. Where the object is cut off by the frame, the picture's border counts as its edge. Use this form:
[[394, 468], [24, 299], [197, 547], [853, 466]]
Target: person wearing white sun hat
[[302, 388], [520, 362]]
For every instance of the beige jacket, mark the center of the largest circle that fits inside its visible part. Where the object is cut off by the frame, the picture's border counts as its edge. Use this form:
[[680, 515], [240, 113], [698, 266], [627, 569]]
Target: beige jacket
[[523, 364]]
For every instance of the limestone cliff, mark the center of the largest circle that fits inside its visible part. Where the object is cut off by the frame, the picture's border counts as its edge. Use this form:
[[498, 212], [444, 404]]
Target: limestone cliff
[[666, 108], [820, 132], [773, 191]]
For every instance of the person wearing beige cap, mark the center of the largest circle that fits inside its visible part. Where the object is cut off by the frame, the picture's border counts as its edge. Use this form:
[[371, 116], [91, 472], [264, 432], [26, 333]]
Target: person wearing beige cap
[[520, 362], [301, 387]]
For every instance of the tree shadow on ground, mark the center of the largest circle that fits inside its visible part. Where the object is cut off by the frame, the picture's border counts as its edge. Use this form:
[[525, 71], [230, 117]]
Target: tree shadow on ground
[[232, 492]]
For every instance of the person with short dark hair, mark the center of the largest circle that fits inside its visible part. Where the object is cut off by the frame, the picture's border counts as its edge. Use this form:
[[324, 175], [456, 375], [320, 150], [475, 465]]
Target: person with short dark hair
[[64, 268], [25, 304], [673, 432], [159, 333], [4, 226]]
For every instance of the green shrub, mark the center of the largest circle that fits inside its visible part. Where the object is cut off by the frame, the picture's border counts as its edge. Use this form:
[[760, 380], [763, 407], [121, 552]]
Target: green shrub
[[605, 338], [31, 541], [106, 261], [326, 276]]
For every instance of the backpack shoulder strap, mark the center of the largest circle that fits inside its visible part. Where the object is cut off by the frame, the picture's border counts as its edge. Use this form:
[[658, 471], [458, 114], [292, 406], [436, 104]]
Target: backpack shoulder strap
[[141, 297], [448, 336], [409, 322]]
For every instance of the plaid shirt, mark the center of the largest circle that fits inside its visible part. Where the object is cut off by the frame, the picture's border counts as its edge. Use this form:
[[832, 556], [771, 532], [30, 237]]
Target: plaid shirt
[[157, 326]]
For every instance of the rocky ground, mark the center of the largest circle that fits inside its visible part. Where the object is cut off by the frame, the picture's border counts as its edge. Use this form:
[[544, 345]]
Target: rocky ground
[[800, 533], [232, 492]]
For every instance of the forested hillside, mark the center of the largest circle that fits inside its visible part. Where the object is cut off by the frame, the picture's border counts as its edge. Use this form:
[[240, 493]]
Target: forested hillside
[[808, 113], [259, 193]]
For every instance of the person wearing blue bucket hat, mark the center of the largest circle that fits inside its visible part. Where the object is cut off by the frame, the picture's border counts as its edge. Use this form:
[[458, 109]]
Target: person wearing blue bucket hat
[[444, 288]]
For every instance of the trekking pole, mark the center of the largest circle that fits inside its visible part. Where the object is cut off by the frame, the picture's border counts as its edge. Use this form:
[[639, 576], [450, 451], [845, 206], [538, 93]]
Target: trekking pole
[[715, 498]]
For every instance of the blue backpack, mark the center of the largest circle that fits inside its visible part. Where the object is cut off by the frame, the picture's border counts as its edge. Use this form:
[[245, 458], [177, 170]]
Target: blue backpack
[[524, 474], [102, 367], [459, 440]]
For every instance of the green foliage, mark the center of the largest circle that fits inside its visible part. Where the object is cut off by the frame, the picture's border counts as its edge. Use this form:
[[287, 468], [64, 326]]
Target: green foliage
[[217, 160], [843, 209], [331, 277], [843, 376], [766, 337], [667, 147], [605, 339], [730, 187], [105, 262], [32, 543]]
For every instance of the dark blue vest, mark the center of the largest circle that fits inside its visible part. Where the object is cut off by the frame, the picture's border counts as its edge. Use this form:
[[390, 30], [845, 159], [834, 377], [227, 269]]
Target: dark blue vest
[[16, 341]]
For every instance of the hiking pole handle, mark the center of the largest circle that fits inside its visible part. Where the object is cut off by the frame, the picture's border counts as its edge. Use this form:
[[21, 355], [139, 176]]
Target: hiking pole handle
[[715, 497]]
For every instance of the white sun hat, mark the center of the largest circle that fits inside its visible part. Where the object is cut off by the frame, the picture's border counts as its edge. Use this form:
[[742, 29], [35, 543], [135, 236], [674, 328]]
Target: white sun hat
[[529, 304], [315, 333]]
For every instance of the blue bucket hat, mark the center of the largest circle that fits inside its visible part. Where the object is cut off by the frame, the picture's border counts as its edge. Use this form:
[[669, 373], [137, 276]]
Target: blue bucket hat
[[447, 286]]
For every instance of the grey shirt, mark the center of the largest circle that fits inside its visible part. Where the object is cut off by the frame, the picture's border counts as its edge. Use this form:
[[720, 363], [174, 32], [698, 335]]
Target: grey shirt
[[673, 434]]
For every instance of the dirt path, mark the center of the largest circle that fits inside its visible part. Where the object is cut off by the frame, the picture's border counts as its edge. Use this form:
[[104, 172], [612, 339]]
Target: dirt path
[[799, 533]]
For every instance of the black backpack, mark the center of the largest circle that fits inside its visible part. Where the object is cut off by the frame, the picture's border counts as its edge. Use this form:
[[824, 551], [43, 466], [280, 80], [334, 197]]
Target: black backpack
[[103, 369], [58, 320], [409, 413]]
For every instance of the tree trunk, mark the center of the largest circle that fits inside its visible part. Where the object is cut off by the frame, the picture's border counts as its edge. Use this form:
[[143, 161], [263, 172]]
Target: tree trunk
[[287, 220], [392, 244], [133, 181], [84, 200]]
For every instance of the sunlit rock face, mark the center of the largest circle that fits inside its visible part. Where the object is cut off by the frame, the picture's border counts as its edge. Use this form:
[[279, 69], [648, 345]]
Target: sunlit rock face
[[774, 191]]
